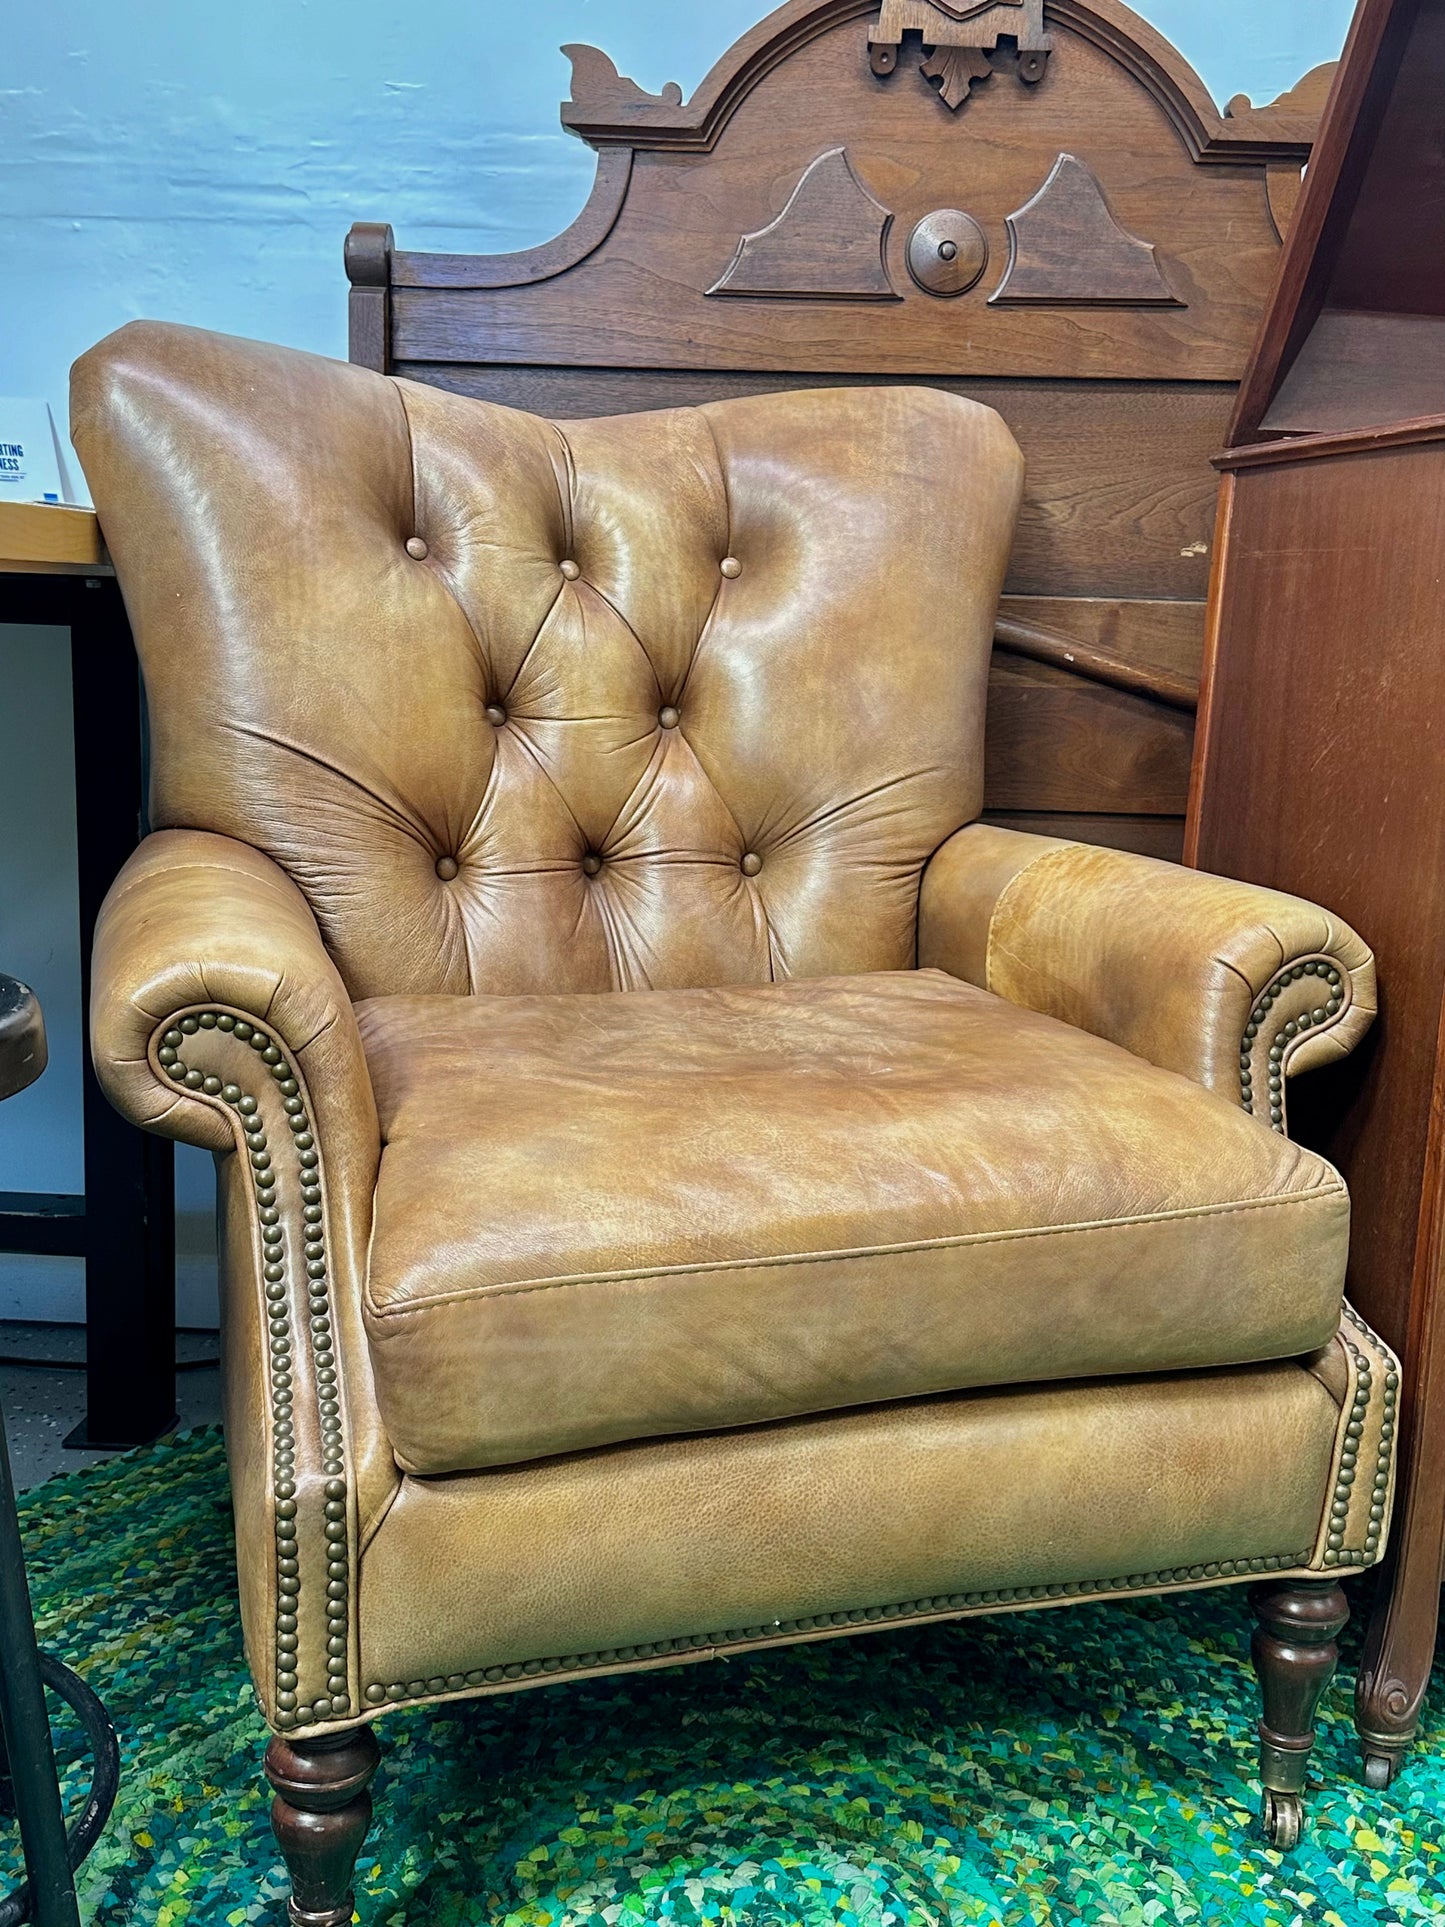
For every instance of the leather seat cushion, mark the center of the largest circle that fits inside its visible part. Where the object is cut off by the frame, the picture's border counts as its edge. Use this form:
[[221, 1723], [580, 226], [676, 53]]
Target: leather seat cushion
[[617, 1216]]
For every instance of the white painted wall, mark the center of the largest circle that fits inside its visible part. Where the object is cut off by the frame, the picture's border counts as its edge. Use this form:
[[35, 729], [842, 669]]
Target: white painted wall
[[201, 163]]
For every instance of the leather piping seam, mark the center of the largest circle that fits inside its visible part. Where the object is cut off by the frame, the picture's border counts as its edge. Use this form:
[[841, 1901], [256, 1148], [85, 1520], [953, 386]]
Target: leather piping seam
[[1286, 1040], [1034, 863], [307, 1173], [966, 1241], [696, 1645]]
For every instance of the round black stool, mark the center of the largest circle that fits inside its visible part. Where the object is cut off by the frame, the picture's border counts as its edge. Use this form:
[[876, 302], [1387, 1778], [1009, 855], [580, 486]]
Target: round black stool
[[29, 1786]]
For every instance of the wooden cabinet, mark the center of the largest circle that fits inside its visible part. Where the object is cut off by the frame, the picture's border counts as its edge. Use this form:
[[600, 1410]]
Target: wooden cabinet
[[1320, 760]]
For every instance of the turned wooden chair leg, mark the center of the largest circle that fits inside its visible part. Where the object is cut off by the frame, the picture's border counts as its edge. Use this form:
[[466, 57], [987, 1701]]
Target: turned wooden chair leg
[[319, 1817], [1295, 1654]]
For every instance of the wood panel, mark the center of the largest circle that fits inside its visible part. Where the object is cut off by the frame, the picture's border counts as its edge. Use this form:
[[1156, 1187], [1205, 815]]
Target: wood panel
[[1321, 766], [641, 299], [1322, 771], [1392, 253], [1156, 836], [1056, 744], [1358, 369], [1349, 549], [1059, 744]]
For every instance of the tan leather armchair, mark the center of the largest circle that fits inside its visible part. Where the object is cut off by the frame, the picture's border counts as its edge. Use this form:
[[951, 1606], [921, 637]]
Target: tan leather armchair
[[686, 1184]]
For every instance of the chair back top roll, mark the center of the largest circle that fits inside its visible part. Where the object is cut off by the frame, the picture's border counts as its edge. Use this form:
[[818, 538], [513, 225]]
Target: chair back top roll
[[663, 700]]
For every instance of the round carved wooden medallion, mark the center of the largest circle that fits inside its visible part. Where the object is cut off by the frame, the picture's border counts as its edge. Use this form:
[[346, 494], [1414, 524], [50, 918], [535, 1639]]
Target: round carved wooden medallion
[[947, 252]]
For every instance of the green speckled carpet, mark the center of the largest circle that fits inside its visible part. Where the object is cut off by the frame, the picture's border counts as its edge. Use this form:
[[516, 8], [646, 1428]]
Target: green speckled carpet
[[1090, 1764]]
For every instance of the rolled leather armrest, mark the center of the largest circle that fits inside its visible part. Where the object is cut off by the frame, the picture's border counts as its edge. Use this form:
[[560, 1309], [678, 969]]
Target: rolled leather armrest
[[218, 1017], [194, 922], [1235, 986]]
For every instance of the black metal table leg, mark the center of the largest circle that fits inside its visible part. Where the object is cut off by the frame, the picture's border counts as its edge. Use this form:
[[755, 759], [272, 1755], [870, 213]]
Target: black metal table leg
[[30, 1784], [35, 1789], [130, 1246], [128, 1232]]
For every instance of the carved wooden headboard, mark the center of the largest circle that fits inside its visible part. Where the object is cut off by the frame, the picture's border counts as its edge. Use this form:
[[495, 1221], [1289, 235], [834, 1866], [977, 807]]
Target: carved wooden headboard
[[1034, 202]]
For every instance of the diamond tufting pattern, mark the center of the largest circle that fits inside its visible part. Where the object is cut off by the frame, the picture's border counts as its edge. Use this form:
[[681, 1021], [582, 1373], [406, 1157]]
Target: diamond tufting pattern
[[669, 700]]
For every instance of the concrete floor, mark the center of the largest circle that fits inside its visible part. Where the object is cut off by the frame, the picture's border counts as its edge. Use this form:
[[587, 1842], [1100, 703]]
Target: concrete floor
[[42, 1406]]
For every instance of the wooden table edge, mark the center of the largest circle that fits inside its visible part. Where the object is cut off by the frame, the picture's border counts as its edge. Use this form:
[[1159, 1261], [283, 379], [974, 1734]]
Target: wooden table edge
[[51, 538]]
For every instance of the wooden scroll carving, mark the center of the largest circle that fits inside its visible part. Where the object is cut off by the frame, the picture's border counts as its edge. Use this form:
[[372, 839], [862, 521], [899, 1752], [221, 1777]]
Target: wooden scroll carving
[[957, 38], [604, 108], [1295, 115], [1066, 248], [596, 80], [828, 244]]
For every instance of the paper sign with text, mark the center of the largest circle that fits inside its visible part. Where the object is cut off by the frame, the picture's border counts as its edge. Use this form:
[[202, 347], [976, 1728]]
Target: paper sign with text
[[29, 456]]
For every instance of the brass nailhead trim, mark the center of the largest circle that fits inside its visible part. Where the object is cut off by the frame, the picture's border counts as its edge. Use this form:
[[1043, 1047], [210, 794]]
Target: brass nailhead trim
[[1337, 1555], [400, 1692], [307, 1168], [291, 1714], [1259, 1019]]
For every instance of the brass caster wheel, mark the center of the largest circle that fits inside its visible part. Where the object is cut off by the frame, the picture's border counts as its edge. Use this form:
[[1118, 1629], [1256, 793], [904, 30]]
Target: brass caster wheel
[[1032, 67], [882, 59], [1282, 1816], [1380, 1770]]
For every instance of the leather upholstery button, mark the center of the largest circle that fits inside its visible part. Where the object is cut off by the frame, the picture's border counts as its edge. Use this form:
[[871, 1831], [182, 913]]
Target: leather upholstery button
[[570, 570], [668, 717], [731, 567], [592, 863], [752, 863], [416, 548], [446, 868], [496, 715]]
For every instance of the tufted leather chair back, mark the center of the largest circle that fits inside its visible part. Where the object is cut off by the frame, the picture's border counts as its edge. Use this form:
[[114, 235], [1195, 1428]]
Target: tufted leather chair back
[[667, 700]]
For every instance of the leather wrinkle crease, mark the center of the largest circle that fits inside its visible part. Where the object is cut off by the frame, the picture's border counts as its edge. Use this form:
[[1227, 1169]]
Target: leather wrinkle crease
[[400, 394], [394, 813], [566, 495]]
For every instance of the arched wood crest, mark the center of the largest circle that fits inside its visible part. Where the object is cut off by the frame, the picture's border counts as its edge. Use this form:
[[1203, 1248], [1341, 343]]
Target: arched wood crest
[[1035, 202]]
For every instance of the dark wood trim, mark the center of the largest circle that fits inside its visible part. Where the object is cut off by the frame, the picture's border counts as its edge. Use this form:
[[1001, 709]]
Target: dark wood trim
[[1350, 441], [368, 254], [1052, 646], [1316, 769], [1400, 1646], [1295, 1652], [565, 250], [320, 1816], [1204, 721]]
